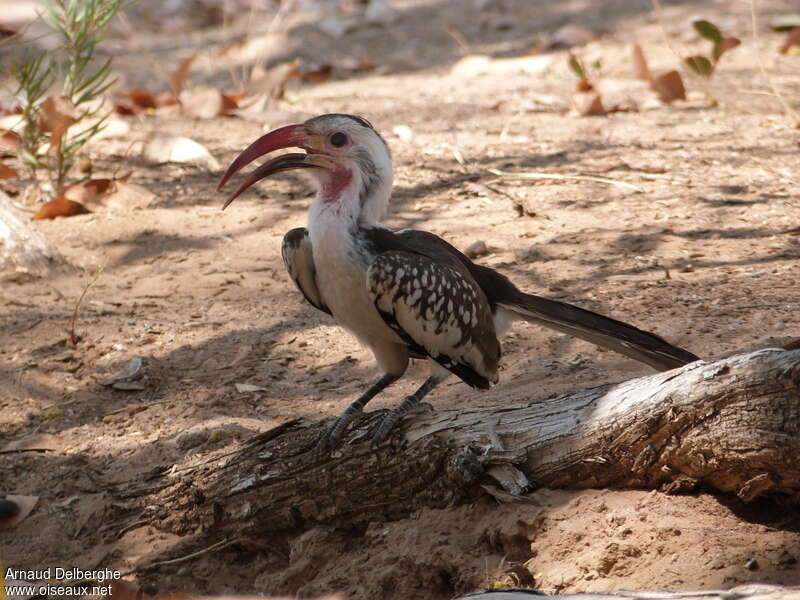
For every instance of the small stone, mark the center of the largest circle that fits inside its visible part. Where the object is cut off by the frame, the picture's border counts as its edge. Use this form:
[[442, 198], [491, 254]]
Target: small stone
[[751, 565], [476, 249], [190, 439]]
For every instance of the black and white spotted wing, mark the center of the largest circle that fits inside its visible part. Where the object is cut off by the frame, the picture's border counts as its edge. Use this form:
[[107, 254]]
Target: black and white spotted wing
[[299, 261], [437, 311]]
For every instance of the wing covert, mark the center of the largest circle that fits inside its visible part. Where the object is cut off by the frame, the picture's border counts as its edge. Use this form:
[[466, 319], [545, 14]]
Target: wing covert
[[299, 261], [437, 311]]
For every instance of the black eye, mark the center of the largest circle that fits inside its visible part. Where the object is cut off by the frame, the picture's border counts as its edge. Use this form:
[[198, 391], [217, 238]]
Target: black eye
[[338, 139]]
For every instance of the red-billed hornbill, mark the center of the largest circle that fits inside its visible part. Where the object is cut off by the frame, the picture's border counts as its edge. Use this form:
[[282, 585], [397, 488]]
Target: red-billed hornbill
[[407, 294]]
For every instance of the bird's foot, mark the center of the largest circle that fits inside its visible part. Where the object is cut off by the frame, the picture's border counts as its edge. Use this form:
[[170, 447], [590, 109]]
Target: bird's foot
[[390, 421], [331, 436]]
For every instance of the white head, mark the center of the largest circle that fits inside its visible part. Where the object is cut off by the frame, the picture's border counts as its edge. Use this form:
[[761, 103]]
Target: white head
[[349, 160]]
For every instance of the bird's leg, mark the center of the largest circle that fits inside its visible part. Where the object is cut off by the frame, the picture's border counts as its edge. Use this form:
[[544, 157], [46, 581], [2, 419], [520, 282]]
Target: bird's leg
[[409, 404], [333, 433]]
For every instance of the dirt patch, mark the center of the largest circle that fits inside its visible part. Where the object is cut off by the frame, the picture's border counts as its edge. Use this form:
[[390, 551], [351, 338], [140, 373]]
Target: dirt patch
[[201, 296]]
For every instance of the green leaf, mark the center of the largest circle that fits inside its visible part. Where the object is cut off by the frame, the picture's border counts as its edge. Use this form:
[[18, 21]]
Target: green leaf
[[576, 66], [700, 65], [785, 23], [708, 30]]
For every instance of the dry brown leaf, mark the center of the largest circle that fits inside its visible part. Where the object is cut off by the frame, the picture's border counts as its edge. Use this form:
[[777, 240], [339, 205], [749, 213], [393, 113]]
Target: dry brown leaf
[[273, 81], [59, 207], [91, 193], [319, 74], [179, 77], [166, 148], [792, 39], [669, 87], [57, 114], [129, 195], [640, 68], [727, 44], [590, 104], [7, 172], [25, 504], [10, 140], [7, 32], [110, 193], [207, 104]]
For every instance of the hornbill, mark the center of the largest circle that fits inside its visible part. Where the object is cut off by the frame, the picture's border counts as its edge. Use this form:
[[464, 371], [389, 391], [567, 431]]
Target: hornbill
[[407, 294]]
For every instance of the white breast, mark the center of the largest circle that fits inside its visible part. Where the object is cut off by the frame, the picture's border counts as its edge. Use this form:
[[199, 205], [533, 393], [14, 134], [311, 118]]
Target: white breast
[[341, 277]]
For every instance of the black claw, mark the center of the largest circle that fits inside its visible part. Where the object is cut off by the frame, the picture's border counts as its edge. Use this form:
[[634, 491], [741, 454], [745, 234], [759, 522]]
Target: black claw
[[332, 434]]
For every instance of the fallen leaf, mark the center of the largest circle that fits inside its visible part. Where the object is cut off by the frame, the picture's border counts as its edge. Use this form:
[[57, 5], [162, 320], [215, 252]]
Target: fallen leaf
[[110, 193], [669, 87], [590, 104], [166, 148], [478, 64], [207, 104], [243, 388], [792, 39], [7, 172], [785, 23], [57, 114], [90, 193], [10, 140], [319, 74], [272, 81], [569, 36], [179, 77], [59, 207], [140, 99], [24, 506], [7, 32], [726, 44], [640, 68]]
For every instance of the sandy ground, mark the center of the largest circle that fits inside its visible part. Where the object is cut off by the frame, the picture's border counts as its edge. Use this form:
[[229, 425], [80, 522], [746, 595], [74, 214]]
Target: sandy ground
[[704, 252]]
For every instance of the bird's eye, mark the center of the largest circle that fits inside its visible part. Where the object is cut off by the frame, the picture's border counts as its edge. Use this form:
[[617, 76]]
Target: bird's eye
[[338, 139]]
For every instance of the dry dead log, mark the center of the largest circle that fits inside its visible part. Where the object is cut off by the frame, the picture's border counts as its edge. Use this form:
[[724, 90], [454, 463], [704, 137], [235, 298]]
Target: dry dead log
[[24, 252], [753, 591], [732, 426]]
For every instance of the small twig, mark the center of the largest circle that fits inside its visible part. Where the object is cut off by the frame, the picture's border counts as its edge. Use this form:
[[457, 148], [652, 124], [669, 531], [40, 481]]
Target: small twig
[[21, 450], [537, 175], [138, 407], [790, 112], [173, 561], [73, 339], [460, 40]]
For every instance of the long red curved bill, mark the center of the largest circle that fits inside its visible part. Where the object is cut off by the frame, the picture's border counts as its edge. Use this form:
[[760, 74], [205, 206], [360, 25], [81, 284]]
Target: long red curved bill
[[284, 137]]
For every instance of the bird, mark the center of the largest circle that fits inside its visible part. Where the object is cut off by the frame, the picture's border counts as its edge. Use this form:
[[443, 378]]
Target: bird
[[406, 294]]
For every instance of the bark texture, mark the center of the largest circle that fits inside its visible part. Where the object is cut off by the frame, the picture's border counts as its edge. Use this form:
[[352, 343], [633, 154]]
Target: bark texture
[[758, 591], [24, 251], [732, 425]]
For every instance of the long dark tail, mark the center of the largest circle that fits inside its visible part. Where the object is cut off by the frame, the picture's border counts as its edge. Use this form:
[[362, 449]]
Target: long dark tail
[[604, 331]]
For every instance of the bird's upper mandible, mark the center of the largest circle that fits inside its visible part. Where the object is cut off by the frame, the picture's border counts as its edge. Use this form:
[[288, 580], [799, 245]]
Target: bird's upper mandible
[[347, 157]]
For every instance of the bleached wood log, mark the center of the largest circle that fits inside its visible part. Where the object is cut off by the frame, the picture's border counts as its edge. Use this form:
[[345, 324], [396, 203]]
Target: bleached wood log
[[732, 426], [752, 591], [24, 251]]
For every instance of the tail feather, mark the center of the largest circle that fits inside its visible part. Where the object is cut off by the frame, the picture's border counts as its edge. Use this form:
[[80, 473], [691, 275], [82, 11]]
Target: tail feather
[[604, 331]]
